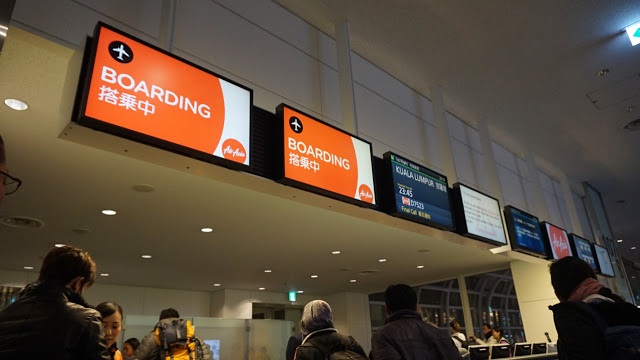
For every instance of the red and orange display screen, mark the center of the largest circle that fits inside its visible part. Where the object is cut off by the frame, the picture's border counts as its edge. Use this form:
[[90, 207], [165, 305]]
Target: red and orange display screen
[[326, 158], [139, 88]]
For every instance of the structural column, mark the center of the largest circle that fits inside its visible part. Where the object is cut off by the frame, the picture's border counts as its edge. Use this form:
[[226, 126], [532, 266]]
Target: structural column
[[440, 116], [345, 78]]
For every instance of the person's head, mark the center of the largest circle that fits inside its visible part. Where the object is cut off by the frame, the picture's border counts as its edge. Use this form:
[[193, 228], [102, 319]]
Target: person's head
[[130, 346], [486, 329], [316, 315], [455, 327], [70, 267], [111, 320], [400, 297], [169, 313], [497, 332], [567, 273]]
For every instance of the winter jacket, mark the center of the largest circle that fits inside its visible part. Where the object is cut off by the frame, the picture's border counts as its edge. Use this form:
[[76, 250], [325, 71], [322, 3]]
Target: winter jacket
[[405, 336], [51, 322], [579, 336], [329, 339]]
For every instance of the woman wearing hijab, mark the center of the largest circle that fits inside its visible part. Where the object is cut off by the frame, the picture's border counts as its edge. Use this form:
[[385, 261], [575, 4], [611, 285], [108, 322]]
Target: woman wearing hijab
[[320, 338], [585, 310]]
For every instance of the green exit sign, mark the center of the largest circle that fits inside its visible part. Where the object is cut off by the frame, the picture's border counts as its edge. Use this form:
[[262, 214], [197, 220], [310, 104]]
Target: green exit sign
[[292, 296]]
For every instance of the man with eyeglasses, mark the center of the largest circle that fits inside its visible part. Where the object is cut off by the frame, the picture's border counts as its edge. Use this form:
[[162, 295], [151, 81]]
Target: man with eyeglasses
[[8, 183]]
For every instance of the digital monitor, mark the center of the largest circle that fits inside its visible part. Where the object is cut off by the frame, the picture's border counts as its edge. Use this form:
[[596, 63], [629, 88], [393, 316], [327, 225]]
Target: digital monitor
[[524, 232], [420, 194], [215, 348], [478, 215], [603, 260], [582, 249], [539, 348], [478, 352], [558, 241], [318, 157], [500, 351], [522, 349], [133, 89]]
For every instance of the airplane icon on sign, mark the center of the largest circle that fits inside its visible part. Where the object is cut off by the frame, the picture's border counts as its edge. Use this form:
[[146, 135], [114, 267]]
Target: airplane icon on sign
[[121, 51], [296, 124]]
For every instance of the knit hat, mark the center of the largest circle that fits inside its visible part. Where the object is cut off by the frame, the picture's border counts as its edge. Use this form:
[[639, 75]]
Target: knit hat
[[316, 316]]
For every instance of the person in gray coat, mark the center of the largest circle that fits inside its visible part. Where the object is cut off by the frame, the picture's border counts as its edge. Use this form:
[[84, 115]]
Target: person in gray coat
[[405, 336]]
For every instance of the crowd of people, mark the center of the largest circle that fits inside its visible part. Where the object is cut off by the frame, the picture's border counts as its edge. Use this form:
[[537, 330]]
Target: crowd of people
[[51, 320]]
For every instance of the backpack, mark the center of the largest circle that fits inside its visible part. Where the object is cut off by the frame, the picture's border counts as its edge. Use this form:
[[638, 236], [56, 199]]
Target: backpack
[[333, 353], [464, 343], [177, 341], [622, 342]]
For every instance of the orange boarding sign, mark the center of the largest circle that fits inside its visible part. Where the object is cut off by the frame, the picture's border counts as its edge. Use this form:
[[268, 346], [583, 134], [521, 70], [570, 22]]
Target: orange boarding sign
[[142, 89], [326, 158]]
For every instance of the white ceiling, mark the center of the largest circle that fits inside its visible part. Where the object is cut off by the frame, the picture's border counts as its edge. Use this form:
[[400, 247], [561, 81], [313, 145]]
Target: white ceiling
[[525, 66]]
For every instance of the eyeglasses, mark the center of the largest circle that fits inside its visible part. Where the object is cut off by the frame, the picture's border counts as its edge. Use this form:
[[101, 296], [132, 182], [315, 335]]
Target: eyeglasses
[[11, 184]]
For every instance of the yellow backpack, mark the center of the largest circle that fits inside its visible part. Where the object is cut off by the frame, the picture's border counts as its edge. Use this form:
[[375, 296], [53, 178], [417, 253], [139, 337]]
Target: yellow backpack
[[177, 341]]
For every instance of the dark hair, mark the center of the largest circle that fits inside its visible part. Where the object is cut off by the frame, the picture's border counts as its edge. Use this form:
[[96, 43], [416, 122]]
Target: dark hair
[[169, 313], [567, 273], [400, 297], [455, 325], [133, 342], [63, 264], [499, 329], [487, 325], [109, 308], [3, 157]]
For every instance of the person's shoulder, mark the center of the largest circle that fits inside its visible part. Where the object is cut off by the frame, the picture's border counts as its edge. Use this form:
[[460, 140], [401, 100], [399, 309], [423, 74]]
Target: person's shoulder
[[82, 314]]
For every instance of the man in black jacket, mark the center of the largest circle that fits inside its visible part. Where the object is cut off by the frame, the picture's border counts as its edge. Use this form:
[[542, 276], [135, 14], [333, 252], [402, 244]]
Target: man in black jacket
[[405, 336], [50, 320]]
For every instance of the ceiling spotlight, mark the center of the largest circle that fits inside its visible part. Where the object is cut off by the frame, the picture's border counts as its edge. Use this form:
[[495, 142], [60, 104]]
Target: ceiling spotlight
[[216, 284], [261, 289], [28, 267], [336, 252], [267, 271], [314, 276], [146, 256], [104, 274], [353, 280], [206, 230], [633, 248], [59, 245], [382, 260], [109, 212], [16, 104], [619, 240], [420, 266], [300, 291]]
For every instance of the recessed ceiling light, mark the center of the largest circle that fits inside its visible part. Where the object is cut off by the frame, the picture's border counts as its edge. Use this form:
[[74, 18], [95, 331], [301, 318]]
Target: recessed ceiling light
[[104, 274], [260, 288], [633, 248], [216, 284], [619, 240], [300, 291], [16, 104], [382, 260], [420, 266], [146, 256], [206, 230], [59, 245], [28, 267], [267, 271], [353, 280], [314, 276], [109, 212], [336, 252]]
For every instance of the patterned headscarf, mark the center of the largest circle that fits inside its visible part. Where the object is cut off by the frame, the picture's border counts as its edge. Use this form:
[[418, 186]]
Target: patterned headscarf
[[316, 316]]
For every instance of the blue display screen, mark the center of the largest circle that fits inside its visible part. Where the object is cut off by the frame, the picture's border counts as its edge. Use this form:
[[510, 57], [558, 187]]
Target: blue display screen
[[583, 251], [420, 193], [527, 231]]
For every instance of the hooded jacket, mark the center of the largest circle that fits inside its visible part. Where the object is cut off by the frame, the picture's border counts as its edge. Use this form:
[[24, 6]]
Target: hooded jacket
[[51, 322], [405, 336], [328, 339]]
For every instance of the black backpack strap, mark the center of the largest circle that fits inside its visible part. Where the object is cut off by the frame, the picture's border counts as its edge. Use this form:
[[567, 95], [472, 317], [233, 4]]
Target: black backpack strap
[[598, 319]]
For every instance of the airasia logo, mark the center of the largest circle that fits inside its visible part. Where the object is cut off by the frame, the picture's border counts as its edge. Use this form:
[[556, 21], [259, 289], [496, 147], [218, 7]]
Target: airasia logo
[[365, 193], [233, 150]]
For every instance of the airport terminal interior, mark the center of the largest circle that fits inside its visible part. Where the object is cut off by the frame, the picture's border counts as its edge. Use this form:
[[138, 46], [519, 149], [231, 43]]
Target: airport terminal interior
[[457, 147]]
